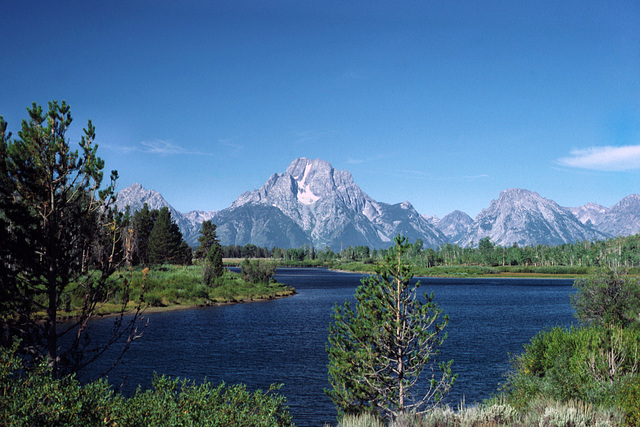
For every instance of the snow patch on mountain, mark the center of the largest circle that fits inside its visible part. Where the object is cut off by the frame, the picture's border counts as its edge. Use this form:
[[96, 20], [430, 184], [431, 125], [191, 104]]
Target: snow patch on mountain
[[305, 195]]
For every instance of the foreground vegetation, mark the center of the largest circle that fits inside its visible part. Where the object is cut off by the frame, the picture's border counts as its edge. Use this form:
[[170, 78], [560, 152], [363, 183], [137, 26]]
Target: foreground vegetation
[[582, 376], [379, 349], [36, 398], [541, 412]]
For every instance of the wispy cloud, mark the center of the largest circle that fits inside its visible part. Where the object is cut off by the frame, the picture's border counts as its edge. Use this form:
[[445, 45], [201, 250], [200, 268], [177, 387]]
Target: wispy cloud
[[359, 161], [463, 177], [157, 146], [604, 158], [160, 146], [302, 136], [232, 146]]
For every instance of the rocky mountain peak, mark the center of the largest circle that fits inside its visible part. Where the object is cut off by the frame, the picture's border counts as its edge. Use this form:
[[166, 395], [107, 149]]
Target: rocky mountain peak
[[310, 178], [454, 225], [590, 213], [299, 168], [623, 218], [135, 196], [521, 199], [524, 217], [629, 203], [328, 205]]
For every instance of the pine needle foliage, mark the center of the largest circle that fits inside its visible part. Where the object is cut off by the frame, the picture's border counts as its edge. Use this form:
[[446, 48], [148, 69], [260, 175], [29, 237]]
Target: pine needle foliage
[[379, 349]]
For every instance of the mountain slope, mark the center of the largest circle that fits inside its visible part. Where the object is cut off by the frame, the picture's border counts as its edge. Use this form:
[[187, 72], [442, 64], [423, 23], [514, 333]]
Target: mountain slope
[[623, 218], [332, 210], [454, 225], [524, 217], [590, 212], [260, 225]]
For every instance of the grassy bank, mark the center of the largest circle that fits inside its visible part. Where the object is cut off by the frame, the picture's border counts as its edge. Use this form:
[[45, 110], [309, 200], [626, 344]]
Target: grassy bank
[[541, 412], [462, 271], [454, 271], [174, 286]]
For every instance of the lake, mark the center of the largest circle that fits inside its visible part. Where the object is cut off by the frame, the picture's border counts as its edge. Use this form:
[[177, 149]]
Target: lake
[[283, 341]]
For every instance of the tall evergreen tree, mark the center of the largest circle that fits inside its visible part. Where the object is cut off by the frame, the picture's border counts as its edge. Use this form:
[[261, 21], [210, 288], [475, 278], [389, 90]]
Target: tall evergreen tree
[[185, 254], [211, 250], [208, 238], [142, 224], [59, 235], [378, 351], [164, 240], [213, 266]]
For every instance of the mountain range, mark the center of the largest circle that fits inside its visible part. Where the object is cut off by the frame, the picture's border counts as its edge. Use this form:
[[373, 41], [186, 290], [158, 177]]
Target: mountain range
[[312, 203]]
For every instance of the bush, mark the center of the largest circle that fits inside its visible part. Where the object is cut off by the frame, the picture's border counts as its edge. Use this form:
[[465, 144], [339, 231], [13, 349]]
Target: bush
[[257, 271], [588, 364], [37, 398], [173, 402], [607, 297], [153, 299], [629, 401]]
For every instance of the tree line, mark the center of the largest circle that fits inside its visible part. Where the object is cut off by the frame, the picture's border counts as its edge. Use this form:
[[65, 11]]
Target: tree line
[[618, 252], [166, 245]]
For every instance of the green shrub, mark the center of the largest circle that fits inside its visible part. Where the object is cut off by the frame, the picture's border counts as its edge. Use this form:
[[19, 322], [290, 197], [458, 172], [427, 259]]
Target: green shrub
[[588, 364], [172, 402], [153, 299], [35, 398], [629, 401], [257, 271], [607, 297]]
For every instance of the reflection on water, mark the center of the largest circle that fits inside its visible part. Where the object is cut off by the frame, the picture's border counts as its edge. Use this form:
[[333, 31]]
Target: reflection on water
[[283, 341]]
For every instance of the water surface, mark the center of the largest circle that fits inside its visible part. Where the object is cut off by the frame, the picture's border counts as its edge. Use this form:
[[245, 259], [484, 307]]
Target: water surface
[[283, 341]]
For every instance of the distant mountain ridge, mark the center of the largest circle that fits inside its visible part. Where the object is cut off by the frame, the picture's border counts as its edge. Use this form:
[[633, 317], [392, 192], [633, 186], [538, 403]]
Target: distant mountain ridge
[[525, 218], [312, 203]]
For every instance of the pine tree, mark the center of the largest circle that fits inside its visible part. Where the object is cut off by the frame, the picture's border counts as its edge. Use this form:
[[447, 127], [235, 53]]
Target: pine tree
[[165, 240], [213, 266], [60, 237], [378, 351], [208, 238], [143, 221], [211, 250]]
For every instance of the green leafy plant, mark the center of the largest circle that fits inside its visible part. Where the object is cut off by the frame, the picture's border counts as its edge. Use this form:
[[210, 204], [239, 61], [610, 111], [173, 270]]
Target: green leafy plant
[[35, 397]]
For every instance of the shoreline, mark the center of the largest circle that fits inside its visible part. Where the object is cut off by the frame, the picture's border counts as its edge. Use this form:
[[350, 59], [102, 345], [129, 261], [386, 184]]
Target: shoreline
[[502, 275], [173, 307], [176, 307]]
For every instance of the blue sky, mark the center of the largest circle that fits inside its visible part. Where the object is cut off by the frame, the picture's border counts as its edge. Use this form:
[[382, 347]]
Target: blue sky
[[443, 104]]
